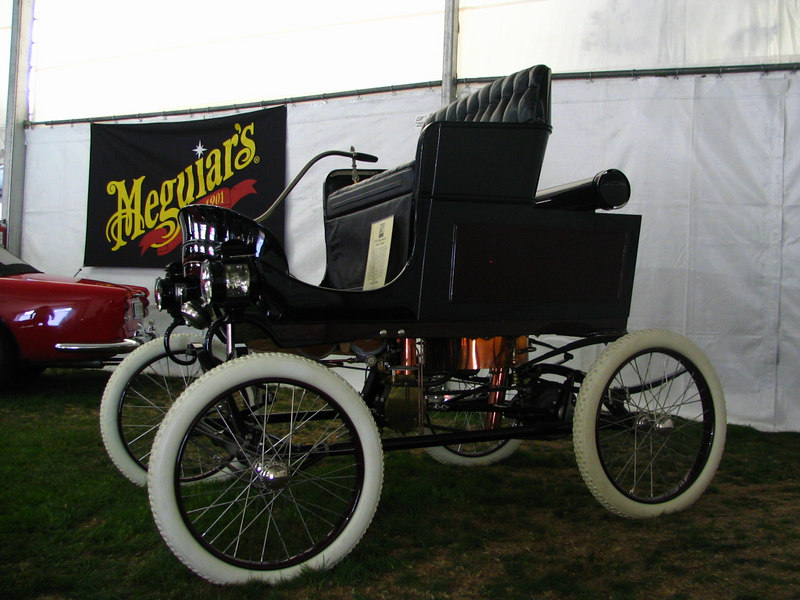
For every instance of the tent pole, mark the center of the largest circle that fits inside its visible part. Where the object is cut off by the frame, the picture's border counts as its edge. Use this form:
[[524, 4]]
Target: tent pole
[[449, 71], [16, 117]]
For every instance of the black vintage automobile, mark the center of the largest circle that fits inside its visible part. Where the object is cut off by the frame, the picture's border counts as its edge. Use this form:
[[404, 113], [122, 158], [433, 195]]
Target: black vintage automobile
[[443, 275]]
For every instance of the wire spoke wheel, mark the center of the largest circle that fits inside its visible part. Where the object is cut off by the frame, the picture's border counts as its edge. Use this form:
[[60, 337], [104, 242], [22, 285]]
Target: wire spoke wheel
[[649, 424], [139, 393], [663, 437], [302, 463], [284, 471], [460, 404]]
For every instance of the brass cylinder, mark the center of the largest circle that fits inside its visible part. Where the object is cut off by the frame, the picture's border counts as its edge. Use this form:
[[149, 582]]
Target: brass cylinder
[[444, 354]]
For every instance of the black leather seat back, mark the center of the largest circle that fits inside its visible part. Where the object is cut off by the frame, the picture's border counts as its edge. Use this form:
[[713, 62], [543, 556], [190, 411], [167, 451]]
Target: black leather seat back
[[520, 98]]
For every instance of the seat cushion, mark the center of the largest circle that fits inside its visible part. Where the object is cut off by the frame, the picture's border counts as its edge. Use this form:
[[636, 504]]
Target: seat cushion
[[378, 188]]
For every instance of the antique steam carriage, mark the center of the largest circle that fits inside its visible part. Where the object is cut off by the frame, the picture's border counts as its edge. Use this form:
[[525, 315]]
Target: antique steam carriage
[[442, 277]]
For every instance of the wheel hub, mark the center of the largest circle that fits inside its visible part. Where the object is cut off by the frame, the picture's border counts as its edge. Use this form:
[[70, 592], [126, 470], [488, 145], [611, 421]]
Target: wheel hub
[[653, 423], [272, 477]]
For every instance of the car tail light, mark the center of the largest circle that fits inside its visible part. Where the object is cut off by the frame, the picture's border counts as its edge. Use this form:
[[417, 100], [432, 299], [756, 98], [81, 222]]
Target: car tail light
[[136, 309]]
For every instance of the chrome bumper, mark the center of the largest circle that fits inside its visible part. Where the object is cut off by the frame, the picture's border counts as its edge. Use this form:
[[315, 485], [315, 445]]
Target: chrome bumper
[[127, 345]]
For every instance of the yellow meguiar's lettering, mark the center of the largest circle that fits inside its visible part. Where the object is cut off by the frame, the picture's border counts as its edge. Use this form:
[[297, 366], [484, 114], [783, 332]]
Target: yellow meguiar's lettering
[[167, 193], [151, 204], [185, 187], [229, 144], [213, 169], [127, 221], [245, 156], [168, 217], [141, 208]]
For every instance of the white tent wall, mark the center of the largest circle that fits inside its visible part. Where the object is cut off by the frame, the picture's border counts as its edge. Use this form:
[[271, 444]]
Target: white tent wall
[[787, 407], [706, 157], [712, 171]]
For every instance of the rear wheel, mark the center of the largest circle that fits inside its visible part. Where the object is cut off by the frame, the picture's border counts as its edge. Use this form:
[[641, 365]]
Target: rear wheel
[[468, 396], [304, 463], [138, 394], [649, 424]]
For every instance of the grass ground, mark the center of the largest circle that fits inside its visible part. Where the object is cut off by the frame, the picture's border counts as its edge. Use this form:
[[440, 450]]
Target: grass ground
[[72, 527]]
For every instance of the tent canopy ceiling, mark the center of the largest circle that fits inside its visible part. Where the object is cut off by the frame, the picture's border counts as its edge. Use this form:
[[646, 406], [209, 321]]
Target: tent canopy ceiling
[[183, 54]]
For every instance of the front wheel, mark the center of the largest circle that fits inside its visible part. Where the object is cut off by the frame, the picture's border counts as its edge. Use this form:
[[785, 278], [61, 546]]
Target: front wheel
[[649, 424], [305, 463]]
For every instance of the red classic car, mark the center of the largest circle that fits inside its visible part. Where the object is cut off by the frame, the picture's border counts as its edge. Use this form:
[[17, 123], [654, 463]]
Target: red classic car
[[51, 320]]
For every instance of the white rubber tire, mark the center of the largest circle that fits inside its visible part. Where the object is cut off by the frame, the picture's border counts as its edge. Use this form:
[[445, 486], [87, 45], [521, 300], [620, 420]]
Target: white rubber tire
[[114, 393], [446, 456], [586, 417], [214, 384], [463, 457]]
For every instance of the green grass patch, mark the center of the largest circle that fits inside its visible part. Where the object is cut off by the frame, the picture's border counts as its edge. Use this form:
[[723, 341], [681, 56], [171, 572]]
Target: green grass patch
[[71, 527]]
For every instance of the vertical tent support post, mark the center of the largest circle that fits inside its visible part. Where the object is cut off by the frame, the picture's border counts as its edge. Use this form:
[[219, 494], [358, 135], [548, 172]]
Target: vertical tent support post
[[449, 73], [16, 117]]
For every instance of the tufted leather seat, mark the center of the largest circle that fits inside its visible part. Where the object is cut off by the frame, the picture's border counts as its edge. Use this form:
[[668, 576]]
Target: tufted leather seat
[[520, 98]]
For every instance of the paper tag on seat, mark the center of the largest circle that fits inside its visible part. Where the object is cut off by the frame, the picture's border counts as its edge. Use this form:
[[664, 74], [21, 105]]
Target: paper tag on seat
[[380, 242]]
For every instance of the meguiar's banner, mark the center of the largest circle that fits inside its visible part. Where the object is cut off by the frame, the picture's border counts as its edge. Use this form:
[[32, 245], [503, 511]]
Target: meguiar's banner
[[141, 175]]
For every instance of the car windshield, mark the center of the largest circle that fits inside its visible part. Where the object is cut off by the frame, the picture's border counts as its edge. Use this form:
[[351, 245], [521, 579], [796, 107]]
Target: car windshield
[[11, 265]]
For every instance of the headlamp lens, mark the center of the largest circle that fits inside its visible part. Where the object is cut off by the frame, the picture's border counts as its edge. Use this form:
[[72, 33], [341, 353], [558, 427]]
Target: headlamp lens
[[220, 282], [237, 280], [206, 282]]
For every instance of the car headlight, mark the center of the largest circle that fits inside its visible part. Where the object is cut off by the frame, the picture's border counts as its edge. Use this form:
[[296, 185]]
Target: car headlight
[[171, 292], [225, 281], [164, 294], [207, 278]]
